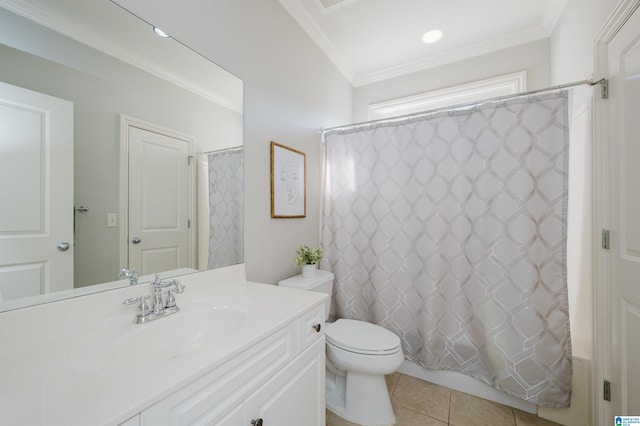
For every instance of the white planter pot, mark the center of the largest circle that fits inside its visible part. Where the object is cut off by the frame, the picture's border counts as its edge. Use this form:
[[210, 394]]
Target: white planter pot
[[309, 271]]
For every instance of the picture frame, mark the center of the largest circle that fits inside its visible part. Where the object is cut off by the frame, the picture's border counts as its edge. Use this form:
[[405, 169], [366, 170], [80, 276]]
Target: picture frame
[[288, 182]]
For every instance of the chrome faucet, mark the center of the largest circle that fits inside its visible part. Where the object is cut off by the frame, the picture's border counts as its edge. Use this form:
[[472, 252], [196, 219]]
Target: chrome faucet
[[157, 285], [131, 274], [159, 307]]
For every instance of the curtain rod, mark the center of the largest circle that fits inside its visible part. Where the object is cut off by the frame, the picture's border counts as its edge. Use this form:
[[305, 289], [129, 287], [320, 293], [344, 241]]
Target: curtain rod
[[602, 81], [236, 148]]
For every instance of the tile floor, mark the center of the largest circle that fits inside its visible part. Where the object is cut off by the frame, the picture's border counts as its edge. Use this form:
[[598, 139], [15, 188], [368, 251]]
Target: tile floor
[[419, 403]]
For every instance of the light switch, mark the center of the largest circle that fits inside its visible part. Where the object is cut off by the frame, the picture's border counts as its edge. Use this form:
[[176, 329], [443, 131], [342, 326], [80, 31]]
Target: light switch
[[112, 220]]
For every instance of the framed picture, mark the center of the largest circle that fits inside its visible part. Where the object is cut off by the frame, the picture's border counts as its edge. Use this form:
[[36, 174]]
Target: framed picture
[[288, 182]]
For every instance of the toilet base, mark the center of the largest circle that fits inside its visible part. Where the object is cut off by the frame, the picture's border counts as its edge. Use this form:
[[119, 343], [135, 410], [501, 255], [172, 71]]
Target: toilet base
[[359, 398]]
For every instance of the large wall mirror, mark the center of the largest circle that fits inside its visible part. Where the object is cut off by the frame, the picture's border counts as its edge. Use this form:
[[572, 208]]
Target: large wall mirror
[[119, 150]]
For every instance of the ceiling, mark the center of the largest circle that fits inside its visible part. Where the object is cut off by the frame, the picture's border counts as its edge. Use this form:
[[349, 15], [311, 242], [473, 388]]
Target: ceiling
[[373, 40]]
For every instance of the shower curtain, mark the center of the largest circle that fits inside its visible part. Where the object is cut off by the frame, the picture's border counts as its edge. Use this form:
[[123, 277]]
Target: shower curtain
[[226, 208], [449, 229]]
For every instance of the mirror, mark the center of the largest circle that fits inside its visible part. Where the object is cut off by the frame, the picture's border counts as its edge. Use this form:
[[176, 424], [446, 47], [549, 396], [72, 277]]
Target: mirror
[[139, 104]]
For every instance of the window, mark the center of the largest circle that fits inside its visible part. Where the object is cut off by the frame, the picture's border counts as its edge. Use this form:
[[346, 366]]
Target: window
[[483, 89]]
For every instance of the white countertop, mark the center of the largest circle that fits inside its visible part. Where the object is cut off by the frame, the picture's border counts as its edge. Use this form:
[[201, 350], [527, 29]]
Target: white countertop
[[53, 368]]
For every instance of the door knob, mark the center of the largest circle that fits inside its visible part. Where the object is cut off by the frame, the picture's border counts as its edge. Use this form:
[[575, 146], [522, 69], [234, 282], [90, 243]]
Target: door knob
[[136, 240], [63, 246], [256, 422], [316, 327]]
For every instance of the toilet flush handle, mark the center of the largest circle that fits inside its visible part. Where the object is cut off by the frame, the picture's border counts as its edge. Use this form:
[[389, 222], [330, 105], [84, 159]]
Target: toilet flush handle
[[316, 327]]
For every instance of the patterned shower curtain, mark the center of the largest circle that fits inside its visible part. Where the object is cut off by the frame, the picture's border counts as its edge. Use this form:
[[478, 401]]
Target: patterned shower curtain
[[226, 208], [449, 229]]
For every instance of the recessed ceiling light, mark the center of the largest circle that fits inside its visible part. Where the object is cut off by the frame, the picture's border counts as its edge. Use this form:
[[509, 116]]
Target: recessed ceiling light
[[160, 33], [432, 36]]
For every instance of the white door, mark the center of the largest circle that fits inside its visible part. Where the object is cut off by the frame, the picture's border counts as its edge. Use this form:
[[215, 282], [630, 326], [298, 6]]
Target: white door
[[624, 137], [159, 202], [36, 183]]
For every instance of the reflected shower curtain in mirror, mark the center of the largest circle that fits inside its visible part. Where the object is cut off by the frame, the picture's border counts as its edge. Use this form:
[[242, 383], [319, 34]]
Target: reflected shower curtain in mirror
[[449, 229], [226, 208]]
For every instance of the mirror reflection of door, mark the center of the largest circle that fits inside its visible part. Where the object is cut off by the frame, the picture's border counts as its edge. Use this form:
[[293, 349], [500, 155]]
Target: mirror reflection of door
[[36, 183], [159, 198]]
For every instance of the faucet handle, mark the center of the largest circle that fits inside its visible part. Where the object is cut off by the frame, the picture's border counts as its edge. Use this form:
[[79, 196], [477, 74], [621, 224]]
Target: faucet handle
[[141, 301], [145, 313], [171, 300], [179, 286]]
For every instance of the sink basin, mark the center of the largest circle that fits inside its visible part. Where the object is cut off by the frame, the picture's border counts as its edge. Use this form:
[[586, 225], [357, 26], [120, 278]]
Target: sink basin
[[176, 335]]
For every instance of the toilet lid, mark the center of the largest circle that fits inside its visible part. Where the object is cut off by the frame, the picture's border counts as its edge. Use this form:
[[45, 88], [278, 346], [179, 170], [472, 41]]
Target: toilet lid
[[362, 337]]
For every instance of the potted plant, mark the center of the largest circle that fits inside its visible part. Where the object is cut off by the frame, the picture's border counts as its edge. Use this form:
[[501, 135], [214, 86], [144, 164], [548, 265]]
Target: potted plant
[[308, 259]]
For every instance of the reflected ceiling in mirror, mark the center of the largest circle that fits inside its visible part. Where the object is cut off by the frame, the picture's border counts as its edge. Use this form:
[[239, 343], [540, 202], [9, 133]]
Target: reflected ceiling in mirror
[[116, 72]]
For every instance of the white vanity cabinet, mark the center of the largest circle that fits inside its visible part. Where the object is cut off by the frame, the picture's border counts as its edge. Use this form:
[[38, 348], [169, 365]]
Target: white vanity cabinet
[[279, 381]]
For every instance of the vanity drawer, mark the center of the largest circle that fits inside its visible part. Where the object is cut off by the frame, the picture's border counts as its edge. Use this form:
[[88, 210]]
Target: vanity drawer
[[310, 327]]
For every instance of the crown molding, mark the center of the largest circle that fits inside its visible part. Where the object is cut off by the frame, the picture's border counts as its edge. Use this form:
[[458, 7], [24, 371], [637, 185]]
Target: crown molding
[[63, 25], [308, 24], [552, 15], [455, 55]]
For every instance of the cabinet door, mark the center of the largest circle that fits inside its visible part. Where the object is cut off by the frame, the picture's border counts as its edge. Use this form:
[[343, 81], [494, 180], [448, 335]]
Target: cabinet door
[[295, 396]]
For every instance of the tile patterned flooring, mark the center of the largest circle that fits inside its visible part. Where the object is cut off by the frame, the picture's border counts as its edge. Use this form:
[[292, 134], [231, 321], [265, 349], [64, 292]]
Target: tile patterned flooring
[[419, 403]]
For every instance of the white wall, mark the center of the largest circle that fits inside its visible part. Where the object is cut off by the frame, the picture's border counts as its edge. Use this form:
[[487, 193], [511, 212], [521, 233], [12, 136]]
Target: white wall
[[532, 58], [573, 37], [291, 89]]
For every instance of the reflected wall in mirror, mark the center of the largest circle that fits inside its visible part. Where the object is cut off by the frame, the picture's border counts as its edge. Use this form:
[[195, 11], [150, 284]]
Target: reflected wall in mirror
[[106, 134]]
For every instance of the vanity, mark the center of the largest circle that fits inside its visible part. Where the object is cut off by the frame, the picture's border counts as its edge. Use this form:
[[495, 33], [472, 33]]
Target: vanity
[[237, 353]]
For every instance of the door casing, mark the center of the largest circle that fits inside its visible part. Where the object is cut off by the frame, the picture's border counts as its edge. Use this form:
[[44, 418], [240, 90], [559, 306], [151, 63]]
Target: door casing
[[603, 354]]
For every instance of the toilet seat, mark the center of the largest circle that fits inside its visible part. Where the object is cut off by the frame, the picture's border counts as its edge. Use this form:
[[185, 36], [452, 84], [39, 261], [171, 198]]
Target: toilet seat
[[362, 337]]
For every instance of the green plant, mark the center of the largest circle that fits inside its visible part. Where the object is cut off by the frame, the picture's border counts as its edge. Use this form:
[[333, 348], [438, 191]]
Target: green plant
[[307, 256]]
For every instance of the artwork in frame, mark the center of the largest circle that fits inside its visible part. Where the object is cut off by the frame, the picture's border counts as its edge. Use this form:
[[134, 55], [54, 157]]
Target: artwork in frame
[[288, 182]]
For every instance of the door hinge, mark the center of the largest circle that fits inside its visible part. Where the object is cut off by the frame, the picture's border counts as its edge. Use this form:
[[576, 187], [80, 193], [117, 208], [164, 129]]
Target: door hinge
[[188, 223], [606, 390], [604, 89], [189, 158], [605, 239]]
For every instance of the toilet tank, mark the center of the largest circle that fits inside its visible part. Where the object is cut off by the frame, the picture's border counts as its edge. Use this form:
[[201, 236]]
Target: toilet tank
[[321, 282]]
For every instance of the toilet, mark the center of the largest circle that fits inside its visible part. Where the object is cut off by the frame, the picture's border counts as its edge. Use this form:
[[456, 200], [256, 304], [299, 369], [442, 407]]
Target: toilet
[[359, 355]]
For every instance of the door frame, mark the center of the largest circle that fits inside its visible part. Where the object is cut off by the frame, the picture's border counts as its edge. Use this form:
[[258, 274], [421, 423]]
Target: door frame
[[603, 359], [123, 214]]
